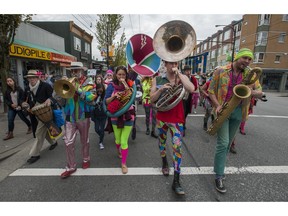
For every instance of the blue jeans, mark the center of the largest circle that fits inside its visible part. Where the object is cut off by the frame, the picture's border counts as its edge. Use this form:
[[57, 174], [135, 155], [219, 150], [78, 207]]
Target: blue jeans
[[99, 126], [225, 136], [11, 117]]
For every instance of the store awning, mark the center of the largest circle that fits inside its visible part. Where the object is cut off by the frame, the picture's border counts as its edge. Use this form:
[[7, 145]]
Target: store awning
[[29, 50]]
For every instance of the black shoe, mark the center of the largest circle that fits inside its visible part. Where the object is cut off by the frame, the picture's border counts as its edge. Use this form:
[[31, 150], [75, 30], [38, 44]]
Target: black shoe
[[33, 159], [154, 135], [147, 131], [233, 150], [133, 133], [176, 185], [220, 185], [53, 146]]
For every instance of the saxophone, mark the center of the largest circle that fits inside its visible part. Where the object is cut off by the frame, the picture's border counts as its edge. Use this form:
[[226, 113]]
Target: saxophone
[[240, 92]]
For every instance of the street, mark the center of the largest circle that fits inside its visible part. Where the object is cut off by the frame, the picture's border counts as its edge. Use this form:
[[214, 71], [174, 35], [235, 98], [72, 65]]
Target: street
[[257, 173]]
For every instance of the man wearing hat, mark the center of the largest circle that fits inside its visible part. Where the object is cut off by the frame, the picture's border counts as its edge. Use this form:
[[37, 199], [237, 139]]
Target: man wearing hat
[[188, 102], [77, 110], [38, 92], [221, 91]]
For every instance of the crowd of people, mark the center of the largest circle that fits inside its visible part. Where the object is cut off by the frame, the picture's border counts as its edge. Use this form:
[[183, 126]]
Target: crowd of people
[[92, 95]]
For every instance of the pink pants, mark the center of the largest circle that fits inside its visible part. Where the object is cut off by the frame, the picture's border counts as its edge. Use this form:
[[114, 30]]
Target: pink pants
[[70, 138]]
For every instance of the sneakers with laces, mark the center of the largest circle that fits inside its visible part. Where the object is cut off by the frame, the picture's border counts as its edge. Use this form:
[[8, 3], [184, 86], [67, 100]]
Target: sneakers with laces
[[101, 146], [220, 185]]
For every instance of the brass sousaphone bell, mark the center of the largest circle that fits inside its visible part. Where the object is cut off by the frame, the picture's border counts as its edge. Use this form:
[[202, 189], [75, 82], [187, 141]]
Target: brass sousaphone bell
[[65, 88], [172, 42]]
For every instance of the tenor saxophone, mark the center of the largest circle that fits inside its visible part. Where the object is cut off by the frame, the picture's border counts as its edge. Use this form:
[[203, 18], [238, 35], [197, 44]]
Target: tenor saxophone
[[240, 92]]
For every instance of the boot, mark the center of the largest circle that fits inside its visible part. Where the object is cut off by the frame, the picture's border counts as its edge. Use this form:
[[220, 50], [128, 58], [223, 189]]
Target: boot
[[9, 136], [176, 184], [165, 167]]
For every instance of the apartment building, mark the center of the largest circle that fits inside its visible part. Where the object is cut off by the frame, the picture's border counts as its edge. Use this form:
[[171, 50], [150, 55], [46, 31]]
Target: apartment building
[[265, 35]]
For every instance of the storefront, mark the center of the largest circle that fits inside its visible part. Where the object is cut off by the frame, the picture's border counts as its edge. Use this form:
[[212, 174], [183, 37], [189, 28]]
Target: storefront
[[26, 56], [274, 80]]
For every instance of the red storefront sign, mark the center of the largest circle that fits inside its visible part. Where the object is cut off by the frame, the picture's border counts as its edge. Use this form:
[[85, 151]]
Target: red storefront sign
[[62, 58]]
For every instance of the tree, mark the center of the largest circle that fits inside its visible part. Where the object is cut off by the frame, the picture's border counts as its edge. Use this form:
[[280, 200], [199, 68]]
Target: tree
[[8, 25], [120, 54], [106, 31]]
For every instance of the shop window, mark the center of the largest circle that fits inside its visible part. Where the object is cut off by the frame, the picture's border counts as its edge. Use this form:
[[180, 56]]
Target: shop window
[[285, 17], [87, 48], [271, 81]]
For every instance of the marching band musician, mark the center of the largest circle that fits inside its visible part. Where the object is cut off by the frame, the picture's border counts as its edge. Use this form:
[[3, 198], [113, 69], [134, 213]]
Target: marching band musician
[[77, 111], [172, 119], [220, 91], [123, 124], [38, 92]]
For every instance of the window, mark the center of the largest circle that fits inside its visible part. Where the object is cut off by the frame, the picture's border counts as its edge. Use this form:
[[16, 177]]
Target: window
[[87, 48], [258, 57], [77, 44], [285, 17], [204, 46], [261, 38], [264, 19], [213, 54], [281, 38], [277, 59], [227, 35]]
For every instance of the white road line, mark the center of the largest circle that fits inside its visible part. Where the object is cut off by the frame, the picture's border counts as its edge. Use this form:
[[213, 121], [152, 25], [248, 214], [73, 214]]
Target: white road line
[[256, 116], [151, 171]]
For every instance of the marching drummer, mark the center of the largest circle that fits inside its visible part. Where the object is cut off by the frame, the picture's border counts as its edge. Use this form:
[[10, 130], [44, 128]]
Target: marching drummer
[[38, 92]]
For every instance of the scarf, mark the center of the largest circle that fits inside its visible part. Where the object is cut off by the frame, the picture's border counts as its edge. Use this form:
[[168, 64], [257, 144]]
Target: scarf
[[34, 88]]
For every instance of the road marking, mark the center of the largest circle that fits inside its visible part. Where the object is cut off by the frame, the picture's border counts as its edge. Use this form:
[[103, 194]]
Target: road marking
[[256, 116], [151, 171]]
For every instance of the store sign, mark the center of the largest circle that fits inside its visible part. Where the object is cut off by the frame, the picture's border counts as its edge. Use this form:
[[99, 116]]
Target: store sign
[[62, 58], [27, 52]]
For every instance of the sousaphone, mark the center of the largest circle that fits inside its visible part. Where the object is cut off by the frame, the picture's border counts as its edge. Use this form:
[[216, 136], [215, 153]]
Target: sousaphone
[[173, 41], [141, 56]]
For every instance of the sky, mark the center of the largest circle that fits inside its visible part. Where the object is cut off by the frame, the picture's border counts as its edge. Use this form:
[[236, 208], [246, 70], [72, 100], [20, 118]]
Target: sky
[[203, 24]]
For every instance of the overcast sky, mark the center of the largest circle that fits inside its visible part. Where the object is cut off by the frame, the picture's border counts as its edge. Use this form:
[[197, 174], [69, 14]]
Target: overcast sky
[[203, 24]]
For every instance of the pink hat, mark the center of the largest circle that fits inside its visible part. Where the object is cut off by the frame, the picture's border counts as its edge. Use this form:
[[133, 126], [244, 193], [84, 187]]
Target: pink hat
[[109, 72]]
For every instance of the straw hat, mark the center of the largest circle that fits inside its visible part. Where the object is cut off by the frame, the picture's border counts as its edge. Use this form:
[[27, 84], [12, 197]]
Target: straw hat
[[77, 65], [33, 73]]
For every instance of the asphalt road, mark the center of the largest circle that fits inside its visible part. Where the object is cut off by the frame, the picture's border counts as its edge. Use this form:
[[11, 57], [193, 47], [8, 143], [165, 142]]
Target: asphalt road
[[257, 173]]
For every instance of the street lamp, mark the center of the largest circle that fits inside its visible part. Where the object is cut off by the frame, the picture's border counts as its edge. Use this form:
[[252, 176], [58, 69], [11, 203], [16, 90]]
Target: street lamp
[[107, 51], [234, 39]]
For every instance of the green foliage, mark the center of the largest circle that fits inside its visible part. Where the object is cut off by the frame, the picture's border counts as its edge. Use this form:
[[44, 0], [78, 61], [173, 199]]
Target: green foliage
[[106, 31], [8, 25]]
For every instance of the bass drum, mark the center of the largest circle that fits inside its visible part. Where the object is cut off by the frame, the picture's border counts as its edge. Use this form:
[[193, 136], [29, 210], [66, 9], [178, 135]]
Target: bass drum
[[125, 108]]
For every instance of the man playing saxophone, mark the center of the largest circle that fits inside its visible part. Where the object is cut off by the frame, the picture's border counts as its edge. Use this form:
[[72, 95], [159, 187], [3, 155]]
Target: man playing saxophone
[[221, 91], [172, 119]]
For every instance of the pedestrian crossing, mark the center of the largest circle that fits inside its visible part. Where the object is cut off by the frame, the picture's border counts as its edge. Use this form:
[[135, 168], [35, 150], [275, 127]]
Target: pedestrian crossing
[[136, 171]]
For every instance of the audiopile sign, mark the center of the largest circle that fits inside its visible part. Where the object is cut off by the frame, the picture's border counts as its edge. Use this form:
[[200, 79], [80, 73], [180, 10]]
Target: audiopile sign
[[28, 52]]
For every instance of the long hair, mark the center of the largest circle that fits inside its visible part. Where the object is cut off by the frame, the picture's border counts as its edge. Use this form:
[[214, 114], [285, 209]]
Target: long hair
[[98, 86], [115, 80], [15, 85]]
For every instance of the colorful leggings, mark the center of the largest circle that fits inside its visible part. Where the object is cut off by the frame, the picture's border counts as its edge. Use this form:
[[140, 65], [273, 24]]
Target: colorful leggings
[[176, 129], [122, 135]]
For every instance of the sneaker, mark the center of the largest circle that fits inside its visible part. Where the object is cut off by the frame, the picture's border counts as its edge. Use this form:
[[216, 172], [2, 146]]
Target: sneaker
[[101, 146], [85, 164], [29, 131], [194, 112], [154, 135], [220, 185], [67, 173]]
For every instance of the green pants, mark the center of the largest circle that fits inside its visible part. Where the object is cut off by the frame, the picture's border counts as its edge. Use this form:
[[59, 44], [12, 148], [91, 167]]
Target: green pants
[[225, 136]]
